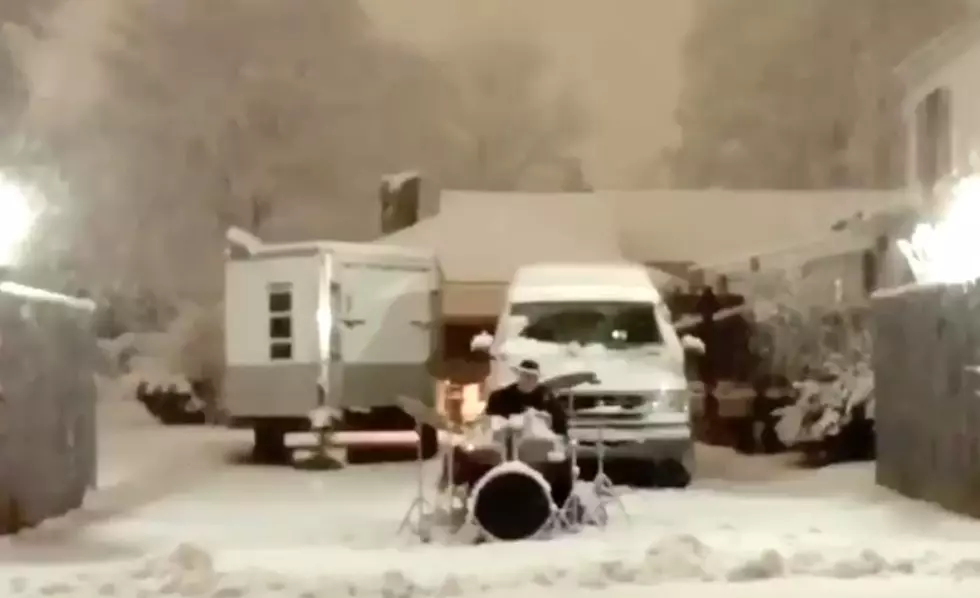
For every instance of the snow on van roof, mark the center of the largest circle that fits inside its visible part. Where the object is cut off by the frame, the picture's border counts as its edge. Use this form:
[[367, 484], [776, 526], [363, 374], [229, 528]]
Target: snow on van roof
[[582, 292], [611, 281], [565, 273]]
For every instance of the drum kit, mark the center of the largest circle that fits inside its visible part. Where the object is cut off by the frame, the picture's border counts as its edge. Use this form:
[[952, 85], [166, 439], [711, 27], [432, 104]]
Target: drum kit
[[507, 479]]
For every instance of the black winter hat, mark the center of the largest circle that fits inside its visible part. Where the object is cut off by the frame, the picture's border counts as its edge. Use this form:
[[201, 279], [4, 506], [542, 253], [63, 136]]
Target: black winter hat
[[529, 366]]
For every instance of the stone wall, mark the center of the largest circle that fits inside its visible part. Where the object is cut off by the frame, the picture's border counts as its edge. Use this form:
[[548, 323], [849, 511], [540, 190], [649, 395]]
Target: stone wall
[[926, 346]]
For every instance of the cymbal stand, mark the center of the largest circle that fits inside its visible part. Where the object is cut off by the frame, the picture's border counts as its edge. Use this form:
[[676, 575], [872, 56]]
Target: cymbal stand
[[511, 436], [451, 489], [571, 513], [603, 486], [418, 516]]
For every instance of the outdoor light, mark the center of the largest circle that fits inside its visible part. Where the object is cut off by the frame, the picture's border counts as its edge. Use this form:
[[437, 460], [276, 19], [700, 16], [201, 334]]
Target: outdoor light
[[16, 220], [948, 252]]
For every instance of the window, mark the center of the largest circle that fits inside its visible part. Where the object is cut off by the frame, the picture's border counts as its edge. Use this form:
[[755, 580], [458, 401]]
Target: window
[[280, 351], [869, 271], [280, 322], [614, 324], [934, 138], [280, 299], [336, 306], [280, 327]]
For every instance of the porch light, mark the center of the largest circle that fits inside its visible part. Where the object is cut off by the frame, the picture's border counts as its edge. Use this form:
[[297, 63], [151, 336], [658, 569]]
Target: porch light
[[948, 251], [17, 218]]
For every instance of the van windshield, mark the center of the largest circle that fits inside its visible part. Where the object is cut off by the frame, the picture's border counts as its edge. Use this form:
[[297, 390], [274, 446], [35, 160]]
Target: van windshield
[[609, 323]]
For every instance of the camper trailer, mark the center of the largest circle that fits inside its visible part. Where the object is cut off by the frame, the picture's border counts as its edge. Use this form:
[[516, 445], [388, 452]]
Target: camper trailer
[[338, 327]]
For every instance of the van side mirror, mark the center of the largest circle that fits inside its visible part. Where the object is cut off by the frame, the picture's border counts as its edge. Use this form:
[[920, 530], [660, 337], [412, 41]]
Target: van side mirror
[[692, 344], [482, 342]]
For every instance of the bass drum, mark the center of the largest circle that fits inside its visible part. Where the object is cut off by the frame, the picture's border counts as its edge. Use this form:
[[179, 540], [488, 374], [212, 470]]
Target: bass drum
[[512, 501]]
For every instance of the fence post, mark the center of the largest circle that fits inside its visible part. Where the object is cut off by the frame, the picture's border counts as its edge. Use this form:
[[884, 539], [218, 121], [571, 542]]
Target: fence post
[[708, 306]]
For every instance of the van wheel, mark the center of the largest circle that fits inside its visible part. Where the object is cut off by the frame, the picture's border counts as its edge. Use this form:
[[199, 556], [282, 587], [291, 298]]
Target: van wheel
[[673, 474], [270, 446], [644, 474], [429, 438]]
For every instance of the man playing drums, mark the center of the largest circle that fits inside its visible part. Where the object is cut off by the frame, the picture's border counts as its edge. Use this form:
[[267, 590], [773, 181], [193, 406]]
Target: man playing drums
[[527, 393]]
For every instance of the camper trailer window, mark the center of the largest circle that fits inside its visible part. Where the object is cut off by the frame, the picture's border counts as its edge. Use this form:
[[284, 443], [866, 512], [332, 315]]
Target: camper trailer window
[[280, 299], [280, 351], [280, 321], [281, 327]]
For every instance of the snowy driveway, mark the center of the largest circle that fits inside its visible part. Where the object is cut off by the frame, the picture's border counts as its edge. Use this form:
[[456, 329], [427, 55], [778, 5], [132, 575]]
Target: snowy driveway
[[179, 512]]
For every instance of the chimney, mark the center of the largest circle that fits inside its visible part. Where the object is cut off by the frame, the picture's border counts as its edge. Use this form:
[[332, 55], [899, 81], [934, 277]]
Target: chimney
[[399, 195]]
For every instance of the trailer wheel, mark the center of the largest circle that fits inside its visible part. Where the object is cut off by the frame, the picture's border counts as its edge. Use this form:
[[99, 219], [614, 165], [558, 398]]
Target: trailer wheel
[[270, 445], [429, 439]]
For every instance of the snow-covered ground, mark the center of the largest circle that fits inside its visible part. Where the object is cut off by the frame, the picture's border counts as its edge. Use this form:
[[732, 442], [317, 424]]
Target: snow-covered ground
[[179, 513]]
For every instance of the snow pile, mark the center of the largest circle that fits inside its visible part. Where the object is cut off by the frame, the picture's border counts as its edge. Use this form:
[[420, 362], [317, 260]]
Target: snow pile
[[192, 571]]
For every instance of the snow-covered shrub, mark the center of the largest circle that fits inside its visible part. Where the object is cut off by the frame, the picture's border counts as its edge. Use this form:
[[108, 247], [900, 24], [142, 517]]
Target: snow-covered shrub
[[199, 336], [826, 405], [187, 357], [825, 349]]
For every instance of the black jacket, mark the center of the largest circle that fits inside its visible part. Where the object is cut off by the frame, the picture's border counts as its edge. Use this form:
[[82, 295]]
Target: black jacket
[[509, 400]]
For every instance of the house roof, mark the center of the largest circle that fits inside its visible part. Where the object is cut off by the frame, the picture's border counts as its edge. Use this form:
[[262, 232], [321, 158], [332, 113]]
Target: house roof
[[939, 52], [714, 225], [485, 236]]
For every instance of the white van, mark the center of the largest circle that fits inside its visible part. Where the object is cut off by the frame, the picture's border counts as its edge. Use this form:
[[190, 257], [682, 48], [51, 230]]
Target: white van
[[609, 319], [346, 327]]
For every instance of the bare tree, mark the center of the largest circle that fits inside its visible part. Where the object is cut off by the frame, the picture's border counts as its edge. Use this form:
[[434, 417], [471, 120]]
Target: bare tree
[[19, 23], [507, 125], [573, 177], [272, 116], [798, 94], [280, 117]]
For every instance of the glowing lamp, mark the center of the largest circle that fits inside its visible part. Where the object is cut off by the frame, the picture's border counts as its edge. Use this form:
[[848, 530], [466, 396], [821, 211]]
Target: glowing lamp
[[948, 251], [16, 221]]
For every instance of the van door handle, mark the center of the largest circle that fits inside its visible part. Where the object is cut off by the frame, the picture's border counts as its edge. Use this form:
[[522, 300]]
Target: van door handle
[[352, 322], [423, 324]]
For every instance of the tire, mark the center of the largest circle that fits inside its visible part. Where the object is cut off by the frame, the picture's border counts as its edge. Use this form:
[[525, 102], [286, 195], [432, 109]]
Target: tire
[[672, 474], [430, 442], [270, 446], [644, 474]]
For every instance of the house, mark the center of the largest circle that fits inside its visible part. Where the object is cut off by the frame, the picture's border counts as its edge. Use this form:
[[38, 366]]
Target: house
[[941, 108], [928, 410], [481, 238]]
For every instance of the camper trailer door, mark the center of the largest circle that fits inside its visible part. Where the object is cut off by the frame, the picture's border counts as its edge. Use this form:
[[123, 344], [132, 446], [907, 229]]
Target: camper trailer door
[[386, 328], [271, 339]]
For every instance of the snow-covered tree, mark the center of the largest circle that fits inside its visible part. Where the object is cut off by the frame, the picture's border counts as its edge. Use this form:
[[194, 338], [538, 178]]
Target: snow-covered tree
[[510, 125], [270, 116], [798, 94], [16, 17], [20, 23], [573, 179], [278, 117]]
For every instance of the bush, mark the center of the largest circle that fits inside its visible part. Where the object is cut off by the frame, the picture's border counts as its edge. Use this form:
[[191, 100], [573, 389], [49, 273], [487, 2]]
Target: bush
[[186, 358], [827, 350]]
